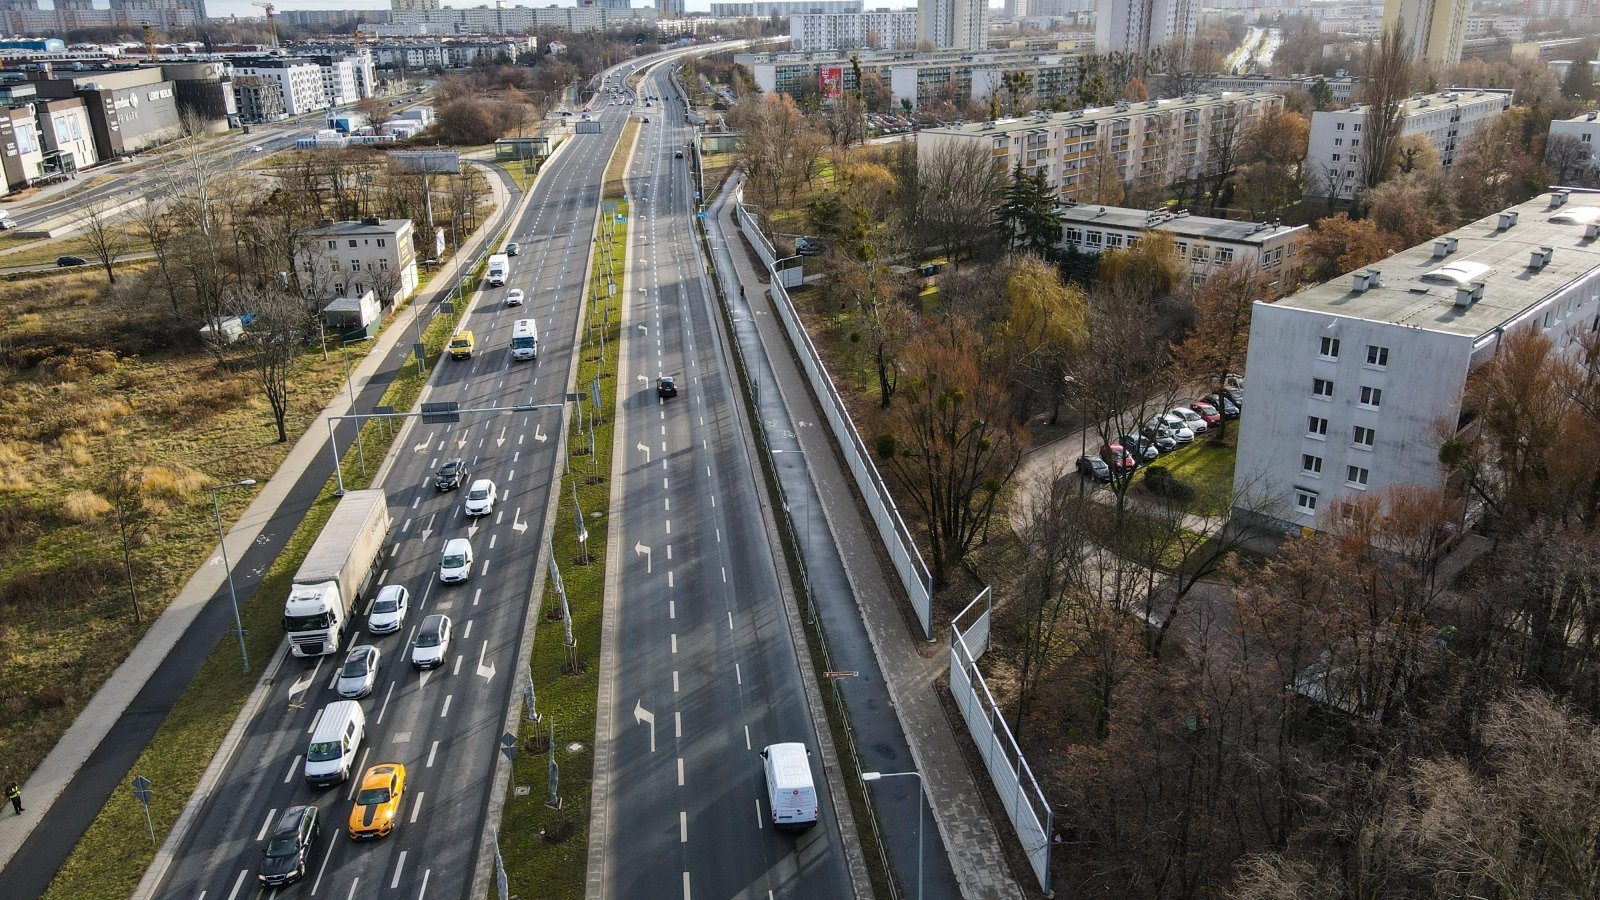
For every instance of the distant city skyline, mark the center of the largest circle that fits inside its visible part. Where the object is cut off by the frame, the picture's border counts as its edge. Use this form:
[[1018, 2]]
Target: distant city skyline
[[221, 9]]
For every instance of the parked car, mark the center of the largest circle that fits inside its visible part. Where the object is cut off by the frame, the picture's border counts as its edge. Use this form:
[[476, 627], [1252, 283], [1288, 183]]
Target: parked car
[[451, 474], [481, 497], [377, 805], [359, 673], [67, 261], [1159, 436], [389, 610], [432, 646], [1190, 418], [1118, 458], [288, 850], [1094, 467], [1223, 404], [1206, 412], [1143, 450], [1177, 426], [455, 563]]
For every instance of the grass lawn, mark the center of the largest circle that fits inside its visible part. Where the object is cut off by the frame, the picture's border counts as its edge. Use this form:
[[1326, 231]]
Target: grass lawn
[[1207, 466], [716, 167], [38, 251], [522, 173]]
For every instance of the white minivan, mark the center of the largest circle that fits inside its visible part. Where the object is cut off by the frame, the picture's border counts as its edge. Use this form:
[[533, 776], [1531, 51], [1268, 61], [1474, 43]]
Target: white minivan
[[790, 790], [338, 735]]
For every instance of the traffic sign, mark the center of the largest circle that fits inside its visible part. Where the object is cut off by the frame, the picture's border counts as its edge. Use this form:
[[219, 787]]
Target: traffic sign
[[441, 413]]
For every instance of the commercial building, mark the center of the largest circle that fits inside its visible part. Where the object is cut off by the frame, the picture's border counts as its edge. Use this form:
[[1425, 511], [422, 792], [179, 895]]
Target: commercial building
[[348, 259], [880, 29], [299, 86], [1140, 26], [1154, 143], [22, 161], [1353, 383], [953, 24], [1447, 119], [762, 9], [129, 109], [25, 16], [1434, 29], [1205, 243], [66, 133]]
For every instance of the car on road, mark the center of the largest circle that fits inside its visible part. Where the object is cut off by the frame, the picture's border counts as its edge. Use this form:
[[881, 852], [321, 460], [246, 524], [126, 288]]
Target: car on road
[[6, 224], [1094, 467], [288, 850], [481, 497], [389, 610], [1196, 423], [258, 149], [513, 249], [450, 475], [377, 805], [67, 261], [666, 386], [463, 345], [359, 673], [647, 120], [677, 154], [432, 646], [455, 563], [514, 297]]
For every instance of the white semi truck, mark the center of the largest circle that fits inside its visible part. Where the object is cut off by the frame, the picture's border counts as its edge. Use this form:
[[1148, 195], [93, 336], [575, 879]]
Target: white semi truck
[[499, 269], [336, 574]]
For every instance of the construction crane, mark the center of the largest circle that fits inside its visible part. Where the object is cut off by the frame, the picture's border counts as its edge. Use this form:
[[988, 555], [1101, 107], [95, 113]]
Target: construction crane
[[272, 21], [149, 40]]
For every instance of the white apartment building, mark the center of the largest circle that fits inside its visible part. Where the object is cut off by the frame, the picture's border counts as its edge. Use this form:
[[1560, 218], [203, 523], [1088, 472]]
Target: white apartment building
[[954, 24], [1585, 127], [299, 81], [1512, 28], [348, 259], [1343, 88], [1140, 26], [762, 9], [1352, 381], [517, 19], [1206, 244], [339, 84], [1157, 142], [887, 29], [1447, 119], [1435, 29]]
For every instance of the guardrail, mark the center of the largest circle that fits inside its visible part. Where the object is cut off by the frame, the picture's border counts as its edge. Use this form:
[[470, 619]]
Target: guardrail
[[896, 537]]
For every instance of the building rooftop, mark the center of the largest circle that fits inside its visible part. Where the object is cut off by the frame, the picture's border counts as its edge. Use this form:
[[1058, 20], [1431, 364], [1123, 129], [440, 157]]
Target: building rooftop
[[1437, 99], [364, 226], [1204, 227], [1100, 114], [1418, 287], [1589, 116]]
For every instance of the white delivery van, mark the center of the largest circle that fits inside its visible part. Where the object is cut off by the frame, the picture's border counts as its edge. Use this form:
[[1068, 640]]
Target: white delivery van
[[524, 339], [499, 269], [338, 735], [790, 790]]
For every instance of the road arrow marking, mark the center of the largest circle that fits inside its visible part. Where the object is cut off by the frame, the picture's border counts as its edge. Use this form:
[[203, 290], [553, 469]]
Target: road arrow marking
[[461, 442], [644, 551], [642, 716], [643, 379], [517, 524], [538, 433], [418, 448], [486, 672], [429, 530], [641, 446], [472, 528], [501, 440], [644, 328]]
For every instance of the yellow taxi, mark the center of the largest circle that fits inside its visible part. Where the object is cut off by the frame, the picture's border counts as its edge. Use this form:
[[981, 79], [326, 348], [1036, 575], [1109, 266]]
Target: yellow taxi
[[378, 802], [462, 345]]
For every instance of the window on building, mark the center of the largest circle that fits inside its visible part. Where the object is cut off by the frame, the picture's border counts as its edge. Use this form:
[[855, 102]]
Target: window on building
[[1371, 396], [1377, 357], [1316, 426], [1355, 475], [333, 245], [1304, 500], [352, 243], [1094, 238], [1338, 142], [1074, 235], [1329, 348], [1362, 436], [1322, 387], [355, 265], [1200, 252], [1336, 157], [1114, 240], [383, 264], [1358, 126], [1354, 143], [1225, 254], [1310, 465], [1339, 127], [382, 242]]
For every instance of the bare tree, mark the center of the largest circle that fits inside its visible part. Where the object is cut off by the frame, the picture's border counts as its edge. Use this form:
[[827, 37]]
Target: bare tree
[[152, 218], [107, 240], [957, 189], [1387, 85], [276, 335], [1569, 159]]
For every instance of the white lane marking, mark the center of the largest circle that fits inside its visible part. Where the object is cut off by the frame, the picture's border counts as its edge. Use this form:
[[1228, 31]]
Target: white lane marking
[[322, 868], [360, 767], [674, 681], [385, 707], [677, 724], [669, 579], [680, 772], [683, 827], [399, 866], [730, 620], [669, 526], [289, 775], [352, 894], [424, 892], [446, 710], [713, 501], [668, 502], [467, 631], [724, 574], [759, 817], [686, 886], [476, 593], [416, 807], [485, 570], [262, 835], [431, 751], [672, 609], [238, 883], [738, 676], [719, 535], [456, 670], [747, 737], [663, 482], [674, 637]]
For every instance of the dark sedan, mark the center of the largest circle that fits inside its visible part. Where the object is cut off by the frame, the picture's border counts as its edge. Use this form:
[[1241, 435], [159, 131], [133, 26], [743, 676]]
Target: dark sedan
[[451, 475], [289, 848]]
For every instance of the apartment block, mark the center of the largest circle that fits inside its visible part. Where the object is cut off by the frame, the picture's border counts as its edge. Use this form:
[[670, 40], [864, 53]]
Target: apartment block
[[19, 17], [953, 24], [1447, 119], [882, 29], [299, 84], [1153, 143], [517, 19], [1205, 243], [918, 78], [762, 9], [1435, 29], [1352, 382], [1343, 88], [1140, 26]]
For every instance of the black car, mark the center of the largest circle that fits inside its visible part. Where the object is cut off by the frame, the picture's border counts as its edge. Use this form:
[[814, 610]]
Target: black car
[[677, 154], [1224, 404], [512, 249], [1094, 467], [66, 261], [451, 475], [289, 849], [666, 386]]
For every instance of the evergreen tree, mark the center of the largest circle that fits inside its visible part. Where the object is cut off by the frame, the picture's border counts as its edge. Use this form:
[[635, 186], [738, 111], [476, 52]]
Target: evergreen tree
[[1026, 216], [1321, 94], [1579, 82]]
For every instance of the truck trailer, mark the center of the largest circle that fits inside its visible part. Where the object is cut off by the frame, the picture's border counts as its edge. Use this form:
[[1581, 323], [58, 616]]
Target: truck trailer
[[336, 574]]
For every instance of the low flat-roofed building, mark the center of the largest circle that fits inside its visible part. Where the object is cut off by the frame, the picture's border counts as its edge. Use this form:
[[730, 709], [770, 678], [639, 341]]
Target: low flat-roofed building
[[1205, 243]]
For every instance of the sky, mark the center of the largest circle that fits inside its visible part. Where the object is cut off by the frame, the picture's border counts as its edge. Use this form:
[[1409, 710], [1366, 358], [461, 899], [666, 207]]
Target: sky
[[242, 8]]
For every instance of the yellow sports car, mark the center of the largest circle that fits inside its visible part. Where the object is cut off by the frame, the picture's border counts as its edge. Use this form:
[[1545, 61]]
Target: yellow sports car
[[378, 801]]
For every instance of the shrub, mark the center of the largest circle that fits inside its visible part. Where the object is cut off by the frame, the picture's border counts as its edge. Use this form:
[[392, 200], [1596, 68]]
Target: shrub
[[1158, 480]]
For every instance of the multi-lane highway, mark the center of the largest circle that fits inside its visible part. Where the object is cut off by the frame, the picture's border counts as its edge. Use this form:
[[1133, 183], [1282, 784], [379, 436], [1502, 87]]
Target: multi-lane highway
[[443, 725], [701, 642]]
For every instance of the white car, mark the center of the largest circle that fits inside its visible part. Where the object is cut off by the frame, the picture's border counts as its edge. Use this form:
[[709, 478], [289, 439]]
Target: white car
[[360, 672], [481, 497], [455, 564], [432, 646], [514, 297], [1190, 418], [389, 610], [1177, 426]]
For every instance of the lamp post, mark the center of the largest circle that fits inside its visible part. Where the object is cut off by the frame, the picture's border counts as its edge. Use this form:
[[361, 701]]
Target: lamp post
[[222, 541], [361, 447], [876, 776]]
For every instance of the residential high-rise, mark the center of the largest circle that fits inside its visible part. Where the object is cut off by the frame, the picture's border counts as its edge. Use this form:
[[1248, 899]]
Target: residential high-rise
[[1140, 26], [953, 24], [1334, 158], [670, 9], [1435, 29], [884, 29], [413, 4]]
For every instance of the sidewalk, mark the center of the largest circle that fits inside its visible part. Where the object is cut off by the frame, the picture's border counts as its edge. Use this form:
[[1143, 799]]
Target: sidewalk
[[111, 702], [906, 728]]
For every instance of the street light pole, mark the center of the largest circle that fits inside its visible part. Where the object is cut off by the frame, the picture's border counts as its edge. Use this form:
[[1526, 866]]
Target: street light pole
[[921, 802], [222, 541]]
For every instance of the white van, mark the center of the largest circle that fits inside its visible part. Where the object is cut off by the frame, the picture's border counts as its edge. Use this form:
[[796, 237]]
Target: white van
[[524, 339], [790, 790], [332, 754]]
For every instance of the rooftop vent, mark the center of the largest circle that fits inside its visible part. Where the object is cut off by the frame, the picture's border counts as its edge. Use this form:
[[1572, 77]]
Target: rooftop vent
[[1559, 198], [1591, 116], [1591, 231], [1469, 294], [1366, 281], [1444, 247], [1508, 219], [371, 220], [1540, 258]]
